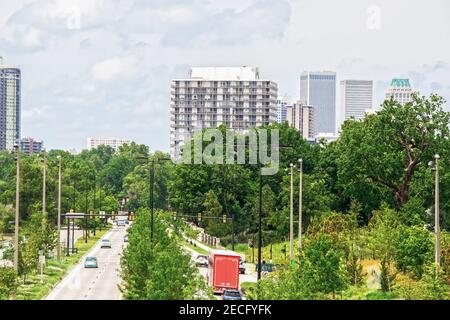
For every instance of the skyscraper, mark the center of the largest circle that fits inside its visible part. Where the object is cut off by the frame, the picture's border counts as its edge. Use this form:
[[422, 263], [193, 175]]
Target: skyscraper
[[400, 90], [235, 97], [318, 89], [9, 106], [356, 98], [302, 118]]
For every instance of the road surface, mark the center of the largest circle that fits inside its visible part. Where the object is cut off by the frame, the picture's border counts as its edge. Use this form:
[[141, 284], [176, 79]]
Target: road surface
[[95, 284]]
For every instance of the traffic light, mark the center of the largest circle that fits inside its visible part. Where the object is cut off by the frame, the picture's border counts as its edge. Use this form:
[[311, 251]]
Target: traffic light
[[199, 217], [113, 215], [130, 216], [175, 216], [224, 218], [71, 211], [91, 214]]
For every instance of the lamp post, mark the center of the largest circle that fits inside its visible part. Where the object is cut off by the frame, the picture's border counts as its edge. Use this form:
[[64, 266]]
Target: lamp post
[[44, 164], [59, 208], [16, 225], [436, 214], [300, 202], [260, 223], [151, 164], [437, 249], [291, 215]]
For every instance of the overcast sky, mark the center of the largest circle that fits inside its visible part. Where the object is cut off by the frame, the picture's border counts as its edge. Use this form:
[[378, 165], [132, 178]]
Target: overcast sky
[[103, 67]]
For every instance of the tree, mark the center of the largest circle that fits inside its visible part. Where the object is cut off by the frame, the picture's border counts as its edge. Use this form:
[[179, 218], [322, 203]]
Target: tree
[[213, 209], [8, 283], [382, 152], [321, 271], [159, 269], [413, 250]]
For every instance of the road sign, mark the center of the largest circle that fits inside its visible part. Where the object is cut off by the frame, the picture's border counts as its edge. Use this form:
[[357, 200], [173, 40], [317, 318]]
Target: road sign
[[102, 214]]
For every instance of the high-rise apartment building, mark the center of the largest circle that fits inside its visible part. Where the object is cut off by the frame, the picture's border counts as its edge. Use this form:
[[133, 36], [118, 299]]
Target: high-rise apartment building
[[211, 96], [356, 98], [115, 143], [30, 146], [318, 89], [302, 118], [10, 88], [400, 90], [282, 104]]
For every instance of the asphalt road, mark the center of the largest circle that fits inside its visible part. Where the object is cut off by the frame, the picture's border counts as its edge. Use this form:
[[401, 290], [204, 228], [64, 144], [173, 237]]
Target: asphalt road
[[95, 284]]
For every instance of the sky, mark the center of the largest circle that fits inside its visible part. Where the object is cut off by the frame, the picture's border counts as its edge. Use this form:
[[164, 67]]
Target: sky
[[103, 67]]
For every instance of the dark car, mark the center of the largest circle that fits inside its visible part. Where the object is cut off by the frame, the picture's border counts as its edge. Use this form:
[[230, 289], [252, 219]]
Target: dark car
[[231, 295], [242, 268]]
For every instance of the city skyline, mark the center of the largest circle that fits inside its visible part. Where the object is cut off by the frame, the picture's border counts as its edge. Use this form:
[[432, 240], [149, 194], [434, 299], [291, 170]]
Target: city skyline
[[83, 76]]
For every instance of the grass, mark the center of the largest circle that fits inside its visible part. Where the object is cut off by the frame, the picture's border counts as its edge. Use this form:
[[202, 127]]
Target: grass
[[277, 256], [194, 247], [54, 271]]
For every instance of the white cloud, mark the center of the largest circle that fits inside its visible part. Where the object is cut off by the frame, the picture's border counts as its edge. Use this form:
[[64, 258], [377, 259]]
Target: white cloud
[[112, 68]]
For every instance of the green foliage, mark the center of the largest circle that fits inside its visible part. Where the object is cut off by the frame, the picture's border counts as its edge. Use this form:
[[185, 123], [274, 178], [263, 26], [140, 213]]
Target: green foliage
[[386, 277], [158, 270], [321, 271], [378, 156], [8, 283], [413, 250]]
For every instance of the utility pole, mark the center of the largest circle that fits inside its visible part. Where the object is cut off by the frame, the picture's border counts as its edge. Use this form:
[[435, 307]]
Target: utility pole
[[436, 214], [291, 215], [300, 203], [16, 225], [260, 222], [152, 180], [43, 161], [59, 209]]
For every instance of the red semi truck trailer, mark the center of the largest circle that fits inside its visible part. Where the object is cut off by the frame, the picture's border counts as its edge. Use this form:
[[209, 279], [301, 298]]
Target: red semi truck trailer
[[223, 270]]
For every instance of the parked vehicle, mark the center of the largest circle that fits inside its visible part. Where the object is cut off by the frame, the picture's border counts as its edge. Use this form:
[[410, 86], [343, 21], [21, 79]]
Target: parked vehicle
[[223, 270], [120, 223], [91, 262], [105, 243], [231, 295], [201, 261]]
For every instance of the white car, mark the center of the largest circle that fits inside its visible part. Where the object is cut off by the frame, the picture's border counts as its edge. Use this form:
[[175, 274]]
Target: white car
[[201, 261], [105, 243]]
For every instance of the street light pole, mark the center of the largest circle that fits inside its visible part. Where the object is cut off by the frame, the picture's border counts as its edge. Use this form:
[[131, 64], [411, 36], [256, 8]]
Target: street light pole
[[436, 214], [260, 222], [152, 180], [16, 225], [59, 209], [300, 203], [291, 215], [43, 161]]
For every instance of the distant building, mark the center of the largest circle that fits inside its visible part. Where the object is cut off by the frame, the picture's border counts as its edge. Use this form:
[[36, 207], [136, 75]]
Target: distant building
[[10, 93], [327, 136], [212, 96], [356, 98], [400, 90], [31, 146], [302, 118], [318, 89], [115, 143], [282, 104]]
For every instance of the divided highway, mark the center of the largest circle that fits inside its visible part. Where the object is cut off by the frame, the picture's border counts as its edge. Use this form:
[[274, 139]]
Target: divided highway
[[96, 283]]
